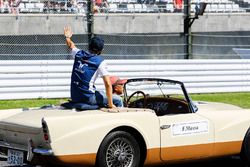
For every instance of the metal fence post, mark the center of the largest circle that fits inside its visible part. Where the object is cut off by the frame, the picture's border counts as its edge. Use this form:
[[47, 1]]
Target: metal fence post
[[186, 28], [90, 18]]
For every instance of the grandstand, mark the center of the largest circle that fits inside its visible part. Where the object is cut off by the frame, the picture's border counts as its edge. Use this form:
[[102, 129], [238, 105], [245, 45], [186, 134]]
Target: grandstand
[[128, 6], [30, 6], [213, 6]]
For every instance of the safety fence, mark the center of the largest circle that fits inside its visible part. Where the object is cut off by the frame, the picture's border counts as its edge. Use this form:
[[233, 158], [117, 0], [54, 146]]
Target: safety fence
[[51, 78], [233, 45]]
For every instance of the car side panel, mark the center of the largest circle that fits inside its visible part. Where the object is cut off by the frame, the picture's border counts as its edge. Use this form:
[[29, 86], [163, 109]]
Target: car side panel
[[230, 129], [74, 135], [230, 125], [186, 136]]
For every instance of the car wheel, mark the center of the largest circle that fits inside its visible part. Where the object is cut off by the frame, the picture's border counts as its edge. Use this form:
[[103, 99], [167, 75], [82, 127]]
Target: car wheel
[[245, 152], [119, 149]]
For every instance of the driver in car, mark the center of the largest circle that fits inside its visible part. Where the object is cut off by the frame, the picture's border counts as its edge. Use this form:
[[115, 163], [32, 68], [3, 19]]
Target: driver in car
[[117, 87]]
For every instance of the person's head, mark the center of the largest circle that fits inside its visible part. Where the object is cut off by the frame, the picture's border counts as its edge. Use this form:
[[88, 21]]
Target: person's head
[[117, 84], [96, 45]]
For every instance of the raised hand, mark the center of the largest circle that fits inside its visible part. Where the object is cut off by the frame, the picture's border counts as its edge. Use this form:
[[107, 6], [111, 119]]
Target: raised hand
[[68, 32]]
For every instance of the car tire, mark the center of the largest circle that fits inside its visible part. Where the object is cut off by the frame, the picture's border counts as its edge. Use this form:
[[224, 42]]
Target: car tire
[[118, 149], [245, 151]]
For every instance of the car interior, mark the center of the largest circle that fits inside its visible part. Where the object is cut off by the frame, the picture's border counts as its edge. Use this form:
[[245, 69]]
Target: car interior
[[161, 105]]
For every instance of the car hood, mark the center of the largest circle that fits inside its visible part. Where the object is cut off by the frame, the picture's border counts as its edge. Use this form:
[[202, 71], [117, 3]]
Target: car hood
[[214, 106], [223, 113]]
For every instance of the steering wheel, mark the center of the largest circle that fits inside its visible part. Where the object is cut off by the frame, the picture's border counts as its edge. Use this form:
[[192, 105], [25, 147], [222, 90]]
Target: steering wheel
[[129, 104]]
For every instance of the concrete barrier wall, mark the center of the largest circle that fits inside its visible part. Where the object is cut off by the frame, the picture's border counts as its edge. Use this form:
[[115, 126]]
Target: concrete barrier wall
[[40, 36], [51, 79], [170, 23], [42, 24]]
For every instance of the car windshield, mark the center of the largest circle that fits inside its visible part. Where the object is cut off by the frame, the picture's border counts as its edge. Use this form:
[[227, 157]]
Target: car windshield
[[156, 89], [149, 89]]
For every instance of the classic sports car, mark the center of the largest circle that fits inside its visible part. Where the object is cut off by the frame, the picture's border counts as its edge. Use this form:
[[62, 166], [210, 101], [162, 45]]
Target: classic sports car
[[159, 125]]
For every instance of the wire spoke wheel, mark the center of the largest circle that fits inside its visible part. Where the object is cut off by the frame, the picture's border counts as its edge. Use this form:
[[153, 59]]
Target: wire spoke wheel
[[119, 153], [118, 149]]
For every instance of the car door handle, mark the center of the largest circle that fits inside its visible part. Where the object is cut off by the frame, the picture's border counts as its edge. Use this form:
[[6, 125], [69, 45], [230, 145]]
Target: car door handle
[[165, 127]]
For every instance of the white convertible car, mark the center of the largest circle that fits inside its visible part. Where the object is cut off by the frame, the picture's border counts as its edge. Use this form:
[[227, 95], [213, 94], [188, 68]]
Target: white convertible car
[[159, 125]]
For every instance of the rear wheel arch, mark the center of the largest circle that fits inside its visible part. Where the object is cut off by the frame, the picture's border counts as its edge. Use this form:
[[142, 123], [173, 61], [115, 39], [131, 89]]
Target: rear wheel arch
[[138, 137], [245, 148]]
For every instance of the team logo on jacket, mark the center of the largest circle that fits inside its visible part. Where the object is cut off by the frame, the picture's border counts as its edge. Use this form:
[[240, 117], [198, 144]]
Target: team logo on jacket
[[80, 67]]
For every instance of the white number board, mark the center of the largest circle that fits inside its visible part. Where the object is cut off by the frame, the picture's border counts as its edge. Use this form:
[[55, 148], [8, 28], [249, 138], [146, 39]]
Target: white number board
[[190, 128], [15, 157]]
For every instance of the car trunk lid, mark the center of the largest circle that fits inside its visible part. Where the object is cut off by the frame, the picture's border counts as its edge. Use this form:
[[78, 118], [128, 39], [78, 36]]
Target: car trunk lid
[[27, 124]]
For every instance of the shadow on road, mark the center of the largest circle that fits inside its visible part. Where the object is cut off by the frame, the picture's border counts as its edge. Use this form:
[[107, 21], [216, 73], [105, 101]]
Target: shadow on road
[[221, 162]]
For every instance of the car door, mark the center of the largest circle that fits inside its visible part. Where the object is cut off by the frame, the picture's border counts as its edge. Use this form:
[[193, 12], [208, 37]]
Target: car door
[[185, 136]]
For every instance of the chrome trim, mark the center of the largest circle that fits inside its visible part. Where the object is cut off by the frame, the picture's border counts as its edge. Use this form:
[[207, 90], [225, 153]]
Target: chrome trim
[[30, 154], [3, 143], [43, 151], [12, 146], [165, 127]]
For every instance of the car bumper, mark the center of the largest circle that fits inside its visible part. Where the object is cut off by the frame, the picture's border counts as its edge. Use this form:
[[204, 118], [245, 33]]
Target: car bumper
[[29, 149]]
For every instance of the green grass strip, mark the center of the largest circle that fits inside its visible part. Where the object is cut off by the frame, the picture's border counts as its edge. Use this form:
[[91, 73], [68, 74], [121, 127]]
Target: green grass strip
[[238, 99]]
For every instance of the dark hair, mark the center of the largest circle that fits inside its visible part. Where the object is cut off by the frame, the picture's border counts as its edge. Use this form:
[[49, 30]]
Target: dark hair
[[96, 44]]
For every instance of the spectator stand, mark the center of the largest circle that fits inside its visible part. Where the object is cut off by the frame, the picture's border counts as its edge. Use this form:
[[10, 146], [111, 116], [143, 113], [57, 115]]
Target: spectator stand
[[166, 6], [118, 6], [132, 6], [222, 6], [30, 6], [243, 4], [52, 6], [5, 6]]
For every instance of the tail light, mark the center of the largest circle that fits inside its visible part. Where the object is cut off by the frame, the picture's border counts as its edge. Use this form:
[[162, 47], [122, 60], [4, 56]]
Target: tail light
[[45, 131]]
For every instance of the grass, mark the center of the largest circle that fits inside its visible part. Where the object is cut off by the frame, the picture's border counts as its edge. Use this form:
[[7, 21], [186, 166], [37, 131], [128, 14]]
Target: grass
[[239, 99], [9, 104]]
